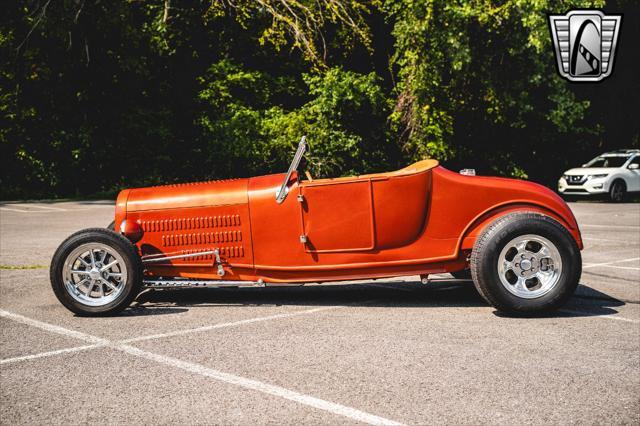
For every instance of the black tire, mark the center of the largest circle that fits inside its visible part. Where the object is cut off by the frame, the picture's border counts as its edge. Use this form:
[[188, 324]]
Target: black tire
[[486, 253], [618, 191], [112, 226], [465, 274], [117, 243]]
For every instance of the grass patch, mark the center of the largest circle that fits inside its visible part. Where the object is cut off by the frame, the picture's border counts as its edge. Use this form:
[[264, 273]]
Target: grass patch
[[17, 267]]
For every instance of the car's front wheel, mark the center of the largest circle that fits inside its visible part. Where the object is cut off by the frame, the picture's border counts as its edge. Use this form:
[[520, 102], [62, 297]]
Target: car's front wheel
[[526, 263], [618, 191], [96, 272]]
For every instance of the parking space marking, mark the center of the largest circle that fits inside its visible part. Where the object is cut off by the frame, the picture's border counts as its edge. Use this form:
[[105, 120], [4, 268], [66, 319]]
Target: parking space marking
[[52, 328], [607, 240], [29, 211], [15, 210], [610, 317], [20, 209], [266, 388], [587, 225], [25, 320], [40, 207], [614, 279], [609, 264], [50, 353], [230, 324], [631, 268]]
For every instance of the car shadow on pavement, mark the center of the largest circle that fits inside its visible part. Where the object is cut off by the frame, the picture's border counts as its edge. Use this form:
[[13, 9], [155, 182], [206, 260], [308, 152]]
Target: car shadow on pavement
[[397, 294], [140, 311], [387, 294], [586, 302]]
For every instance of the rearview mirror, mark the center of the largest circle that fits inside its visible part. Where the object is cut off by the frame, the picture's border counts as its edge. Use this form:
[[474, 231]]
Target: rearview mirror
[[634, 166]]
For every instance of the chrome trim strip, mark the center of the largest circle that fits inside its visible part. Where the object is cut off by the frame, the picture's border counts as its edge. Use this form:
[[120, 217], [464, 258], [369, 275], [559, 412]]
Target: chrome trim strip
[[178, 256]]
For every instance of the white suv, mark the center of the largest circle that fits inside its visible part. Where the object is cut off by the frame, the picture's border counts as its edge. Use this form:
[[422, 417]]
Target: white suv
[[614, 174]]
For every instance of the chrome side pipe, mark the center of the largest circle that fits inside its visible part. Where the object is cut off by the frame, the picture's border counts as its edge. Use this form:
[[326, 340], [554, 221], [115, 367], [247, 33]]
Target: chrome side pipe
[[161, 283], [176, 283], [445, 280]]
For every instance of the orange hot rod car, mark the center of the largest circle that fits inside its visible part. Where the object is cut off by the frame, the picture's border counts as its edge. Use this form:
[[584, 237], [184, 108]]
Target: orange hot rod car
[[517, 240]]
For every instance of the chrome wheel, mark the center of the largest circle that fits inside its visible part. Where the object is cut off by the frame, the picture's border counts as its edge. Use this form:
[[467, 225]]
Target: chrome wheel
[[529, 266], [94, 274]]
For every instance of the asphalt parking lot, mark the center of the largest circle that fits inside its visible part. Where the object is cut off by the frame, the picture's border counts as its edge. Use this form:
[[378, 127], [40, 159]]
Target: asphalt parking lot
[[381, 352]]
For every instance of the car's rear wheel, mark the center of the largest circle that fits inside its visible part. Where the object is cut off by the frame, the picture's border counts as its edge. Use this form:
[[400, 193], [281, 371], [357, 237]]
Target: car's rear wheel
[[526, 263], [96, 272], [618, 191]]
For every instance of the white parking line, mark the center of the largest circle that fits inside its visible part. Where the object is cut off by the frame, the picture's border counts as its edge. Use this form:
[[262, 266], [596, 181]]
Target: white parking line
[[610, 226], [15, 210], [29, 211], [631, 268], [50, 353], [52, 328], [607, 240], [52, 209], [40, 207], [610, 317], [25, 320], [229, 324], [266, 388], [608, 264]]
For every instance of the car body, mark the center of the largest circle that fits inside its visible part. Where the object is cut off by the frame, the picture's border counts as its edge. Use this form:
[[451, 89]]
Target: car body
[[612, 174], [281, 230], [418, 220]]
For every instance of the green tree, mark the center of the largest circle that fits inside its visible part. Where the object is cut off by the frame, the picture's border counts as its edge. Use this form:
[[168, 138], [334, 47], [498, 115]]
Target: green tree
[[96, 96], [477, 84]]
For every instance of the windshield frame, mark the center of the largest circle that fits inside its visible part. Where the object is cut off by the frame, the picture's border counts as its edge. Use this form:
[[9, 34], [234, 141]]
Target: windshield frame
[[281, 194]]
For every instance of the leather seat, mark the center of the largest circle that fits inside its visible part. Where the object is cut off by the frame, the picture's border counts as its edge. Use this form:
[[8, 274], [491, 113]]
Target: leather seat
[[418, 167]]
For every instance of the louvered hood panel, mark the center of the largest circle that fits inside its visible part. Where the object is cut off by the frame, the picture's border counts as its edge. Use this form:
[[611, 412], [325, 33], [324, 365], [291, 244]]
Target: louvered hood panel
[[194, 218]]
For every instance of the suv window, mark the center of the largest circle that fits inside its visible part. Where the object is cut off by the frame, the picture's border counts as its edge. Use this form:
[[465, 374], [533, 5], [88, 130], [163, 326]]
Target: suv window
[[607, 162], [636, 160]]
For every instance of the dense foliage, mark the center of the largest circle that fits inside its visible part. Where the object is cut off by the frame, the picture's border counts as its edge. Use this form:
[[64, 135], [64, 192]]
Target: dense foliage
[[100, 95]]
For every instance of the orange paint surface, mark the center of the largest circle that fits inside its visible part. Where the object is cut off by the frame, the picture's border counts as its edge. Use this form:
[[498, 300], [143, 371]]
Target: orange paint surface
[[417, 220]]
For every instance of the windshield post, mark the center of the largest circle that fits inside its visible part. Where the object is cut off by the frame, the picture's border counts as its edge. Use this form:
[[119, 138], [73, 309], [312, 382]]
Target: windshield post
[[284, 189]]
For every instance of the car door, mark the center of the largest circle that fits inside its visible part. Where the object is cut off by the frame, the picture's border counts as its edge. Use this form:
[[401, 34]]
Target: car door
[[634, 174], [337, 215], [360, 213]]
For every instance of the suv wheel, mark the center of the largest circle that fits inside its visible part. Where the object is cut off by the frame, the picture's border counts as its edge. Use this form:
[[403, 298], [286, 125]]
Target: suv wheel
[[618, 191]]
